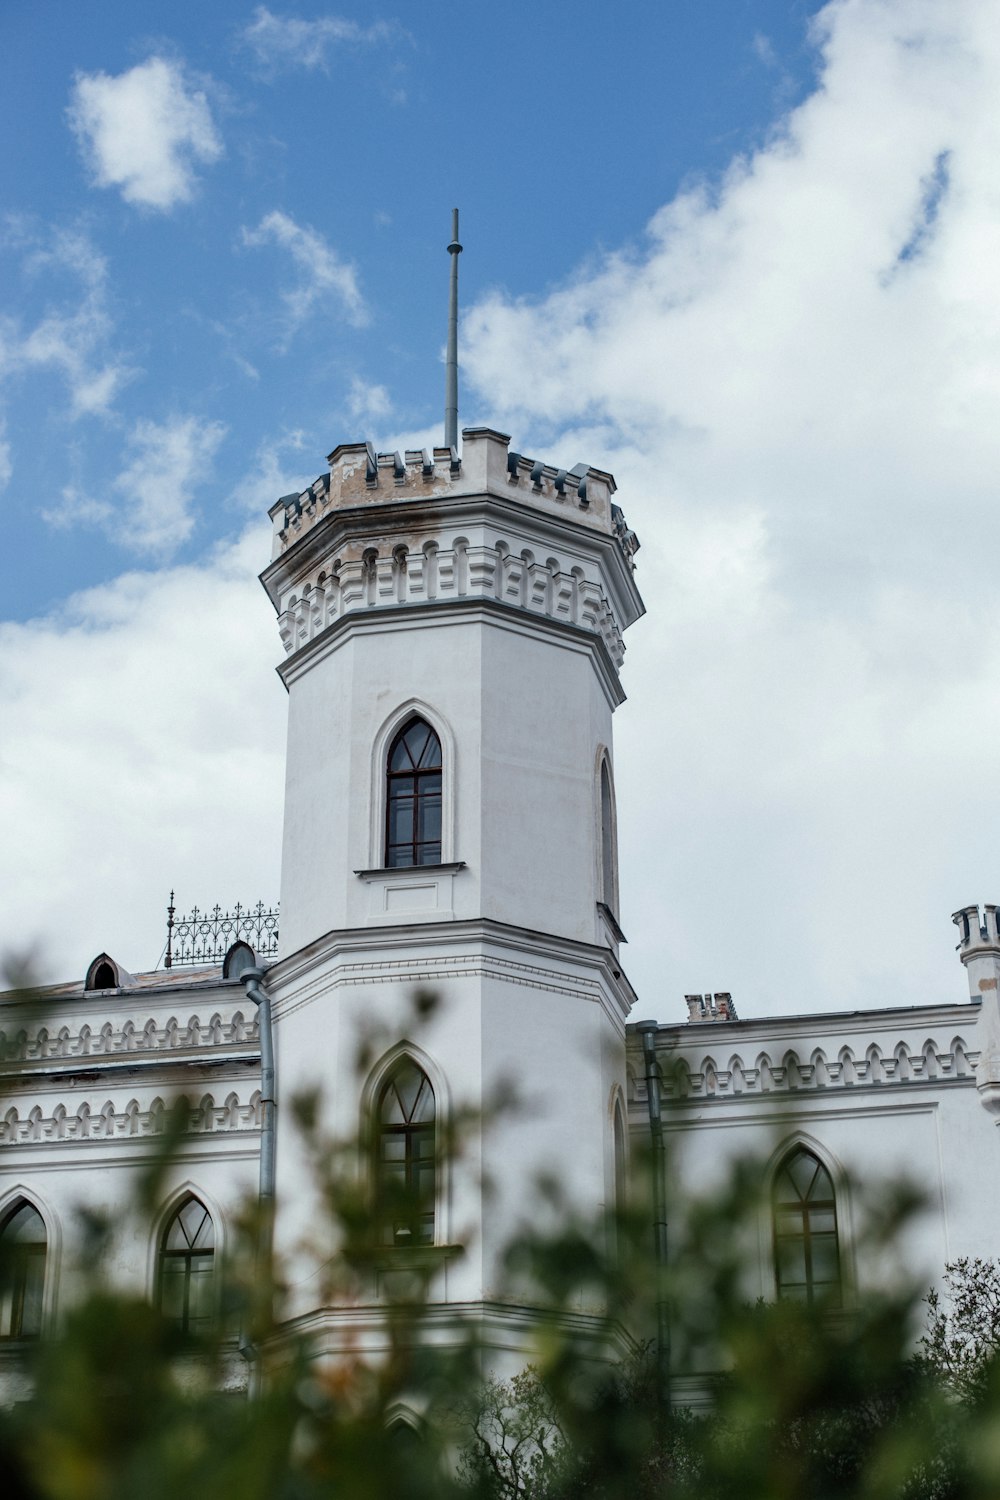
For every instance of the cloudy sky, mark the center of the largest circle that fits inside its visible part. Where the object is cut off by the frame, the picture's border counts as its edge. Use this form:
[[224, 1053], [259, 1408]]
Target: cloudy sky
[[743, 253]]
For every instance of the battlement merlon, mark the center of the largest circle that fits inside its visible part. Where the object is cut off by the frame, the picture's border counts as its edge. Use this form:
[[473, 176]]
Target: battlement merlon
[[979, 947], [977, 934], [979, 950], [360, 476]]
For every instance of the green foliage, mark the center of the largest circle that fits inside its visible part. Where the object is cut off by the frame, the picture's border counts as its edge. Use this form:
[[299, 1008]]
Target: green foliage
[[962, 1337], [777, 1400]]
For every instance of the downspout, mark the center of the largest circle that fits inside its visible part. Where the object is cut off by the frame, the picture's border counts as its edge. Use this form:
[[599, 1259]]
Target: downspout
[[251, 979], [647, 1030]]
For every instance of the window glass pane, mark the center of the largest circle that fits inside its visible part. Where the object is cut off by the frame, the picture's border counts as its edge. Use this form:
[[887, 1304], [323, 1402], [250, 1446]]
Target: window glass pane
[[424, 1183], [430, 819], [788, 1221], [200, 1292], [802, 1169], [394, 1147], [173, 1271], [400, 758], [423, 1108], [431, 756], [822, 1220], [409, 1081], [822, 1187], [31, 1304], [401, 821], [791, 1258], [825, 1263], [785, 1190], [416, 738], [175, 1238], [392, 1110], [24, 1227]]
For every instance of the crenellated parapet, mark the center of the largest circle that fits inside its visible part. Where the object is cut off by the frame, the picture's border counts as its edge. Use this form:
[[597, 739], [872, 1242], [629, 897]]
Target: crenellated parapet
[[382, 531], [711, 1007]]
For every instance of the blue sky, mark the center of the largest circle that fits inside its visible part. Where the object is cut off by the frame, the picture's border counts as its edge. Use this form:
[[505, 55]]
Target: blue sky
[[741, 252], [558, 130]]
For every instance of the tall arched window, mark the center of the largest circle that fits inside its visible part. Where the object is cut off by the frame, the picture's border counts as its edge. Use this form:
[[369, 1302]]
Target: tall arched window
[[806, 1245], [413, 797], [620, 1167], [405, 1162], [608, 861], [187, 1264], [22, 1272]]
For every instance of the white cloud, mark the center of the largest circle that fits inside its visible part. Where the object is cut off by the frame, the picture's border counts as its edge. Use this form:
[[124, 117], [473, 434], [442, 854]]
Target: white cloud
[[141, 747], [276, 470], [144, 131], [280, 42], [72, 337], [153, 513], [367, 402], [323, 276], [795, 378]]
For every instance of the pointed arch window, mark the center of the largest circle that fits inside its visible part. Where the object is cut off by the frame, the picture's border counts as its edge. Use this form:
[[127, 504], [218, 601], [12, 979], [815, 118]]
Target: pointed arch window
[[620, 1166], [608, 860], [405, 1167], [187, 1267], [23, 1246], [413, 797], [806, 1240]]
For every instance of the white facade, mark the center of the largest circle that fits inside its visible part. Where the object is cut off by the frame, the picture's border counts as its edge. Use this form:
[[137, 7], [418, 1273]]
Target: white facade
[[486, 597]]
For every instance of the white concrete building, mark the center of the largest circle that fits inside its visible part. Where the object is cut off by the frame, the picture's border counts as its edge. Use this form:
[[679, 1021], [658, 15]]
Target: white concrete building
[[453, 632]]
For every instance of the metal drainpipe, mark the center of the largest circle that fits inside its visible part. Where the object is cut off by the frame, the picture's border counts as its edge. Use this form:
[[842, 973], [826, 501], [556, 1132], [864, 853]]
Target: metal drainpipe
[[647, 1030], [251, 980]]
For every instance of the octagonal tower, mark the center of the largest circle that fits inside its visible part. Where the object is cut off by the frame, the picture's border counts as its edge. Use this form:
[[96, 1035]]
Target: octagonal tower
[[469, 611]]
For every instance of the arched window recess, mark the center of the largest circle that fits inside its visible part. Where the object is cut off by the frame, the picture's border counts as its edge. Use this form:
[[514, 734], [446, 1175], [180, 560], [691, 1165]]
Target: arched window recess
[[405, 1166], [186, 1272], [607, 848], [807, 1253], [413, 796], [23, 1248]]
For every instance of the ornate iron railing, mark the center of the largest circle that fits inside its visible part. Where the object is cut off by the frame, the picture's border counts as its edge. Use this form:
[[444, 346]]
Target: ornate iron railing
[[205, 937]]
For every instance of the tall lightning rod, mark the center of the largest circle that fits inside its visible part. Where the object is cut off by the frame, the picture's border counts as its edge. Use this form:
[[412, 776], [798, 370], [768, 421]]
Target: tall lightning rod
[[451, 370]]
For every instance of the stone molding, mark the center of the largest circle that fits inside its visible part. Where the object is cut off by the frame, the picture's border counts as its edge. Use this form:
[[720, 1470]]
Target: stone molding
[[704, 1078], [111, 1123], [424, 972], [554, 587], [46, 1045]]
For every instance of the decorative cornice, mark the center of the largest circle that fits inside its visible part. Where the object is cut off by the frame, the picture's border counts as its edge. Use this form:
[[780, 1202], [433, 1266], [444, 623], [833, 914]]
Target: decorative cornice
[[132, 1121], [457, 612], [44, 1046], [715, 1077], [442, 950], [366, 558]]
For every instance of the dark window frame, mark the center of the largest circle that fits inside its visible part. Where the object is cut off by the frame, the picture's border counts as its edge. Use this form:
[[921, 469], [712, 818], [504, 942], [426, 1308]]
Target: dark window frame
[[803, 1221], [405, 1160], [414, 772], [191, 1259], [24, 1265]]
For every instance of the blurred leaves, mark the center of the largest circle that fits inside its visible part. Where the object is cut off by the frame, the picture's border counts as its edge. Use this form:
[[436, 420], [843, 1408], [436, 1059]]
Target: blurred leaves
[[772, 1400]]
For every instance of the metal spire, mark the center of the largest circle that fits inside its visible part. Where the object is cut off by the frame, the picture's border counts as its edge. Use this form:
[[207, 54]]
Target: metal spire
[[451, 370]]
